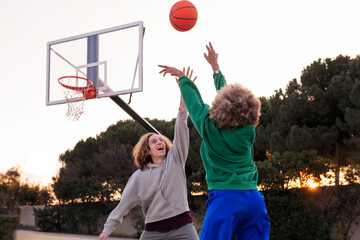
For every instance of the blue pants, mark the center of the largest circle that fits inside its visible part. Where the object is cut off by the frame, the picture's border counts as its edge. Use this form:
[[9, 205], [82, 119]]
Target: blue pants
[[241, 214]]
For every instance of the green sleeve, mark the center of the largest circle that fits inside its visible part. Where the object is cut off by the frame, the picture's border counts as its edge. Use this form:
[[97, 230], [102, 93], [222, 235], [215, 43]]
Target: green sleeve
[[219, 80], [197, 109]]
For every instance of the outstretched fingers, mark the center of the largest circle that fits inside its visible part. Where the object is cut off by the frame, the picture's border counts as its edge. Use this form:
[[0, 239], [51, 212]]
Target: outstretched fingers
[[211, 47], [211, 57], [164, 70], [171, 70], [189, 74], [176, 72]]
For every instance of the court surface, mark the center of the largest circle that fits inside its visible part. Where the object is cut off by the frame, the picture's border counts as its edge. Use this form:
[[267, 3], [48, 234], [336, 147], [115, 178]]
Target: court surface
[[33, 235]]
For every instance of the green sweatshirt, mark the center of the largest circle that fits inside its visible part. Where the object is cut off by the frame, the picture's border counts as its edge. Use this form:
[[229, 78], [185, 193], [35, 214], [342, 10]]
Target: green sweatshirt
[[227, 155]]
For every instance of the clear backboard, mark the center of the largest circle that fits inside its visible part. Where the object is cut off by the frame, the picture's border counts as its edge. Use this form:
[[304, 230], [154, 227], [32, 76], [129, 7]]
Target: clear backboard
[[112, 59]]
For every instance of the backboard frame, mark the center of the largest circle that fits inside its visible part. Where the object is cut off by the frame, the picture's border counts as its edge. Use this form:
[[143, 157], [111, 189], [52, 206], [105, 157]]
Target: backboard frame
[[138, 68]]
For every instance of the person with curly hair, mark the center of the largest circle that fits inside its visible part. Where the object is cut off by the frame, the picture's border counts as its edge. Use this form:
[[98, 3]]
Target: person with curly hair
[[159, 185], [235, 207]]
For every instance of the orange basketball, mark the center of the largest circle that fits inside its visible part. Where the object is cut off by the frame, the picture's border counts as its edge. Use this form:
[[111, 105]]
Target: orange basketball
[[183, 15]]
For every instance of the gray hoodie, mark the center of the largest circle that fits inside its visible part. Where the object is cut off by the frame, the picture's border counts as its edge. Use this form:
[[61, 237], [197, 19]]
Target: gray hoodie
[[160, 190]]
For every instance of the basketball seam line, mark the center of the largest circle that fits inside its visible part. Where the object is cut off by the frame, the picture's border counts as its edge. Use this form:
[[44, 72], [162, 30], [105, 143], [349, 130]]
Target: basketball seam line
[[185, 18], [181, 8], [178, 26]]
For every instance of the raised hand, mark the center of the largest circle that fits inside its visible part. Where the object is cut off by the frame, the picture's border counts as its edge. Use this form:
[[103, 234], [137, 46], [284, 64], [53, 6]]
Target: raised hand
[[212, 57], [188, 75], [177, 73], [171, 70]]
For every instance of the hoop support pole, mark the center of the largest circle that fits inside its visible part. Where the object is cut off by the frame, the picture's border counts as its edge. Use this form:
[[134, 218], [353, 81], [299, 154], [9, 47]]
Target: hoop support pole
[[145, 124]]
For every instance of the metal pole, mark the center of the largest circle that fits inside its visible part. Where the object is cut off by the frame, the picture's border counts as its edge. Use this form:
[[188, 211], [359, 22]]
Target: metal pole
[[145, 124], [93, 56]]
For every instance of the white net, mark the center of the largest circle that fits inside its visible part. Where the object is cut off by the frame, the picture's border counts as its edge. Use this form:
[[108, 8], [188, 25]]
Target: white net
[[76, 91], [74, 108]]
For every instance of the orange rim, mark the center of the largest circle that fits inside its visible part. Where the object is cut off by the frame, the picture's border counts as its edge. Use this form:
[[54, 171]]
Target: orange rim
[[76, 88]]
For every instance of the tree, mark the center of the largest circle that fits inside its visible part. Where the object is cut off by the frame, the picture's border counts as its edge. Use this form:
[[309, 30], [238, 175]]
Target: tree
[[312, 128], [13, 192], [320, 114], [9, 188]]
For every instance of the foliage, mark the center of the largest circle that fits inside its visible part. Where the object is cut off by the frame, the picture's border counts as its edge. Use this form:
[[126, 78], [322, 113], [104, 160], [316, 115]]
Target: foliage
[[139, 219], [293, 214], [343, 211], [13, 192], [48, 218], [321, 113], [78, 189], [34, 195], [73, 217], [292, 218], [312, 128], [282, 170], [95, 168], [8, 224], [9, 188]]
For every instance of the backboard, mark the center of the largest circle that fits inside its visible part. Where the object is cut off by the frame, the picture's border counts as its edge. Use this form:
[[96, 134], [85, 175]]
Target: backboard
[[112, 59]]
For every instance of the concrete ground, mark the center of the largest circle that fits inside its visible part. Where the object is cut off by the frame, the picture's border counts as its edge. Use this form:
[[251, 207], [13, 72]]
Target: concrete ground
[[33, 235]]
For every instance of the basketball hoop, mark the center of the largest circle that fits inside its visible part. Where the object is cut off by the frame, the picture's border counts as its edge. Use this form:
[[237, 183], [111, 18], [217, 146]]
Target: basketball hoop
[[76, 91]]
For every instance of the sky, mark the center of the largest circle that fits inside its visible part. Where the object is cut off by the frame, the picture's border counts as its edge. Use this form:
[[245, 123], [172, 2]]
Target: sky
[[262, 44]]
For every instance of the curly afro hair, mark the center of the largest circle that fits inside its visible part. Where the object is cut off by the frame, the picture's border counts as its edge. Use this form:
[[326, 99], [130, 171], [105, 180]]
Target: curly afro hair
[[235, 106]]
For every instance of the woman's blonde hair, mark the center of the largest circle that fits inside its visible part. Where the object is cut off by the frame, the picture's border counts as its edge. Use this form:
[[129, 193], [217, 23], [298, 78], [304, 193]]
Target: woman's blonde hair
[[140, 151], [235, 106]]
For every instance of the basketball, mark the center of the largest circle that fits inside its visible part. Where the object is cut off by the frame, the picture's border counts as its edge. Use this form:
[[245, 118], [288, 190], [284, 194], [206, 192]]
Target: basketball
[[183, 15]]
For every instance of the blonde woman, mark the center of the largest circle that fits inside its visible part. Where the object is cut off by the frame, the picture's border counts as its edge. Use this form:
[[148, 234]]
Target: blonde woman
[[159, 186], [235, 207]]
